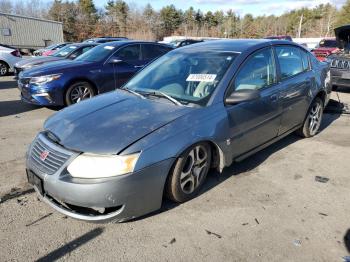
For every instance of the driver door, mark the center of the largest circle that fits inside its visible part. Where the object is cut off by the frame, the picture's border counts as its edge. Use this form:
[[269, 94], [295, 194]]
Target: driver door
[[131, 62], [254, 123]]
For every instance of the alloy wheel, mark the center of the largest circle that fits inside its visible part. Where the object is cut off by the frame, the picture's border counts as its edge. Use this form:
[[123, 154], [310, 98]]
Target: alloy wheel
[[314, 118], [80, 93], [194, 169], [3, 69]]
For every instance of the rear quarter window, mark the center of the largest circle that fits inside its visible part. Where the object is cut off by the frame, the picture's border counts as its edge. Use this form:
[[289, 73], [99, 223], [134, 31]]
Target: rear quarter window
[[150, 51]]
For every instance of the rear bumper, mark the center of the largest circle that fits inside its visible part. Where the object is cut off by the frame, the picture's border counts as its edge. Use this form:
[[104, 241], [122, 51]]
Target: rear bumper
[[121, 198], [338, 79]]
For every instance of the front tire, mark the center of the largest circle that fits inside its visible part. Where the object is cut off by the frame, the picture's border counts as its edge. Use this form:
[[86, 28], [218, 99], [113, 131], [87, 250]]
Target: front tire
[[313, 119], [78, 91], [4, 69], [189, 173]]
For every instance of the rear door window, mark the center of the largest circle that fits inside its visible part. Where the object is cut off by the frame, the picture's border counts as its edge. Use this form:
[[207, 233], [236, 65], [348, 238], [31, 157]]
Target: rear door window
[[150, 52], [290, 60], [305, 59], [129, 54]]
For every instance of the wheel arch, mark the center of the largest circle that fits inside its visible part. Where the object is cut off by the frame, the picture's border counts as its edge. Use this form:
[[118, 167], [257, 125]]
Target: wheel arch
[[322, 95], [217, 156], [3, 61]]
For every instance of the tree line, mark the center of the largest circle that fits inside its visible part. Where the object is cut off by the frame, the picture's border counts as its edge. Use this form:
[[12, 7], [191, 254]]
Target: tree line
[[81, 20]]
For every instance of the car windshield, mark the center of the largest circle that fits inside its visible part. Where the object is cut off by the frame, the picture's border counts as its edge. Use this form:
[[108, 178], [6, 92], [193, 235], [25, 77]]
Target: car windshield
[[51, 46], [328, 43], [189, 77], [65, 51], [97, 54]]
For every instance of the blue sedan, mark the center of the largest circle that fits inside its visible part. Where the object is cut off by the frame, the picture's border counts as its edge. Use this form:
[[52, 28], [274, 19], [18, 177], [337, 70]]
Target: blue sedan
[[101, 69], [199, 107]]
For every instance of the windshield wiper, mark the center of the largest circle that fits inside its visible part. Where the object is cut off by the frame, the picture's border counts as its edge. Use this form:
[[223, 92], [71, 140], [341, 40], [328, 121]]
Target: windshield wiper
[[133, 92], [161, 94]]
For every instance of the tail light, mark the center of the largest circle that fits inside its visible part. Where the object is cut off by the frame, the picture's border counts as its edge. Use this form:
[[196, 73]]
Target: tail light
[[16, 53]]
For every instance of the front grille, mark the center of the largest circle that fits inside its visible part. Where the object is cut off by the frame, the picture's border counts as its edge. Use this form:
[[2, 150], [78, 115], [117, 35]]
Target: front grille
[[340, 64], [47, 157], [24, 80]]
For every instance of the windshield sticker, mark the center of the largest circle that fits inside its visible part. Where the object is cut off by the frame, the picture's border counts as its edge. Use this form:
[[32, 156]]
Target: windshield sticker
[[201, 78], [109, 47]]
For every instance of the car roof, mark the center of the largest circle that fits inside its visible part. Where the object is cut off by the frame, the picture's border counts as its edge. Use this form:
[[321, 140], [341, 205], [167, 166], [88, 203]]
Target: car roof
[[83, 44], [126, 42], [234, 45]]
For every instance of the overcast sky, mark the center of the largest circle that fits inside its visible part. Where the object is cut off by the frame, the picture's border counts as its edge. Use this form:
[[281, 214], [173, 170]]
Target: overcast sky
[[255, 7]]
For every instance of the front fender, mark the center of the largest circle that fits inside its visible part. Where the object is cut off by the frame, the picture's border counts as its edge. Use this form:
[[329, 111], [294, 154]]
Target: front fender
[[206, 124]]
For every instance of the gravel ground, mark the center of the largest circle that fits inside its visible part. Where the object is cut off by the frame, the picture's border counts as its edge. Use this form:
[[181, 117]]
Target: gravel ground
[[267, 208]]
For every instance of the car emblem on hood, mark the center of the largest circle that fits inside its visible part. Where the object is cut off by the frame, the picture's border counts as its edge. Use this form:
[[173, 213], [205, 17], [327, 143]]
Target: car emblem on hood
[[44, 155]]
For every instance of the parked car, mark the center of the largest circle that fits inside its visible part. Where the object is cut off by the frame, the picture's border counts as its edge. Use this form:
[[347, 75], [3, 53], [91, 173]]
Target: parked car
[[8, 57], [325, 48], [71, 52], [105, 39], [195, 108], [181, 43], [101, 69], [280, 37], [54, 47], [340, 61]]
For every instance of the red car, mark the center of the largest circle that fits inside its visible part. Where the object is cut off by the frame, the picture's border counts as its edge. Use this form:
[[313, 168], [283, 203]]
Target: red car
[[325, 48]]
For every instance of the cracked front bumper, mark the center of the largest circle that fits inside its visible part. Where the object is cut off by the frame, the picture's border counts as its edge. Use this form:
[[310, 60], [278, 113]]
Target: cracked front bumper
[[122, 197]]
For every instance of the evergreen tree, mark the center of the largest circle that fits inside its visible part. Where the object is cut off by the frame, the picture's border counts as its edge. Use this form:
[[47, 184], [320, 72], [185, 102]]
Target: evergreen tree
[[344, 15]]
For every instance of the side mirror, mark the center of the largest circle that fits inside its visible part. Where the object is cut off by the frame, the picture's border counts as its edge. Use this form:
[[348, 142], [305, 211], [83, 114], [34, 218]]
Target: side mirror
[[242, 95], [115, 61], [72, 57]]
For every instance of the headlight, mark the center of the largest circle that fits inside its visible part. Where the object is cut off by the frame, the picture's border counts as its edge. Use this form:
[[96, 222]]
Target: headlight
[[39, 80], [99, 166]]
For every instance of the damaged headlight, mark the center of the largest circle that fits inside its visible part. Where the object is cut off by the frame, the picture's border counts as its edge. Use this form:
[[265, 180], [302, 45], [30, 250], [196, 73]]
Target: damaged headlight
[[99, 166]]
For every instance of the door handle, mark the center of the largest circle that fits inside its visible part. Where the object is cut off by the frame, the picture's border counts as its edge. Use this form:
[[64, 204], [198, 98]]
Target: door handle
[[274, 98], [138, 66]]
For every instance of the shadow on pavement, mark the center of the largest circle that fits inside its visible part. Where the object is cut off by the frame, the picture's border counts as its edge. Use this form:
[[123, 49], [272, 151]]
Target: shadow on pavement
[[74, 244], [328, 119], [347, 240], [14, 107], [8, 85]]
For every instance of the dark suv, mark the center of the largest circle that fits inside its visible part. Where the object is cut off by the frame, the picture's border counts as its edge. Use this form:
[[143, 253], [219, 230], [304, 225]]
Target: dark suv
[[101, 69], [340, 62]]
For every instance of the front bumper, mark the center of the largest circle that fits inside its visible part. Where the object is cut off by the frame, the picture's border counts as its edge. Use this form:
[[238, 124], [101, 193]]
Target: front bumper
[[119, 198], [46, 95]]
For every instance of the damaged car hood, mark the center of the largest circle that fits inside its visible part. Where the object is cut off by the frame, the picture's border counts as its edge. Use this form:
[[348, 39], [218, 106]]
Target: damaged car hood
[[111, 122]]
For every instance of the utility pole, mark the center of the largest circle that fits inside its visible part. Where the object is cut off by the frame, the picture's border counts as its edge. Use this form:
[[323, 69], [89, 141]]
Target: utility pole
[[300, 23]]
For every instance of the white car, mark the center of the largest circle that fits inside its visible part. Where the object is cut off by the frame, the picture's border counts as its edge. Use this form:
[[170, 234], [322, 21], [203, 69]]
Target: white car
[[8, 57]]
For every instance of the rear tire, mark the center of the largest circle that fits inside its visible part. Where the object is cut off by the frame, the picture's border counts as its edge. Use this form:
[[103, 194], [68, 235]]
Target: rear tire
[[4, 69], [79, 91], [312, 120], [189, 173]]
